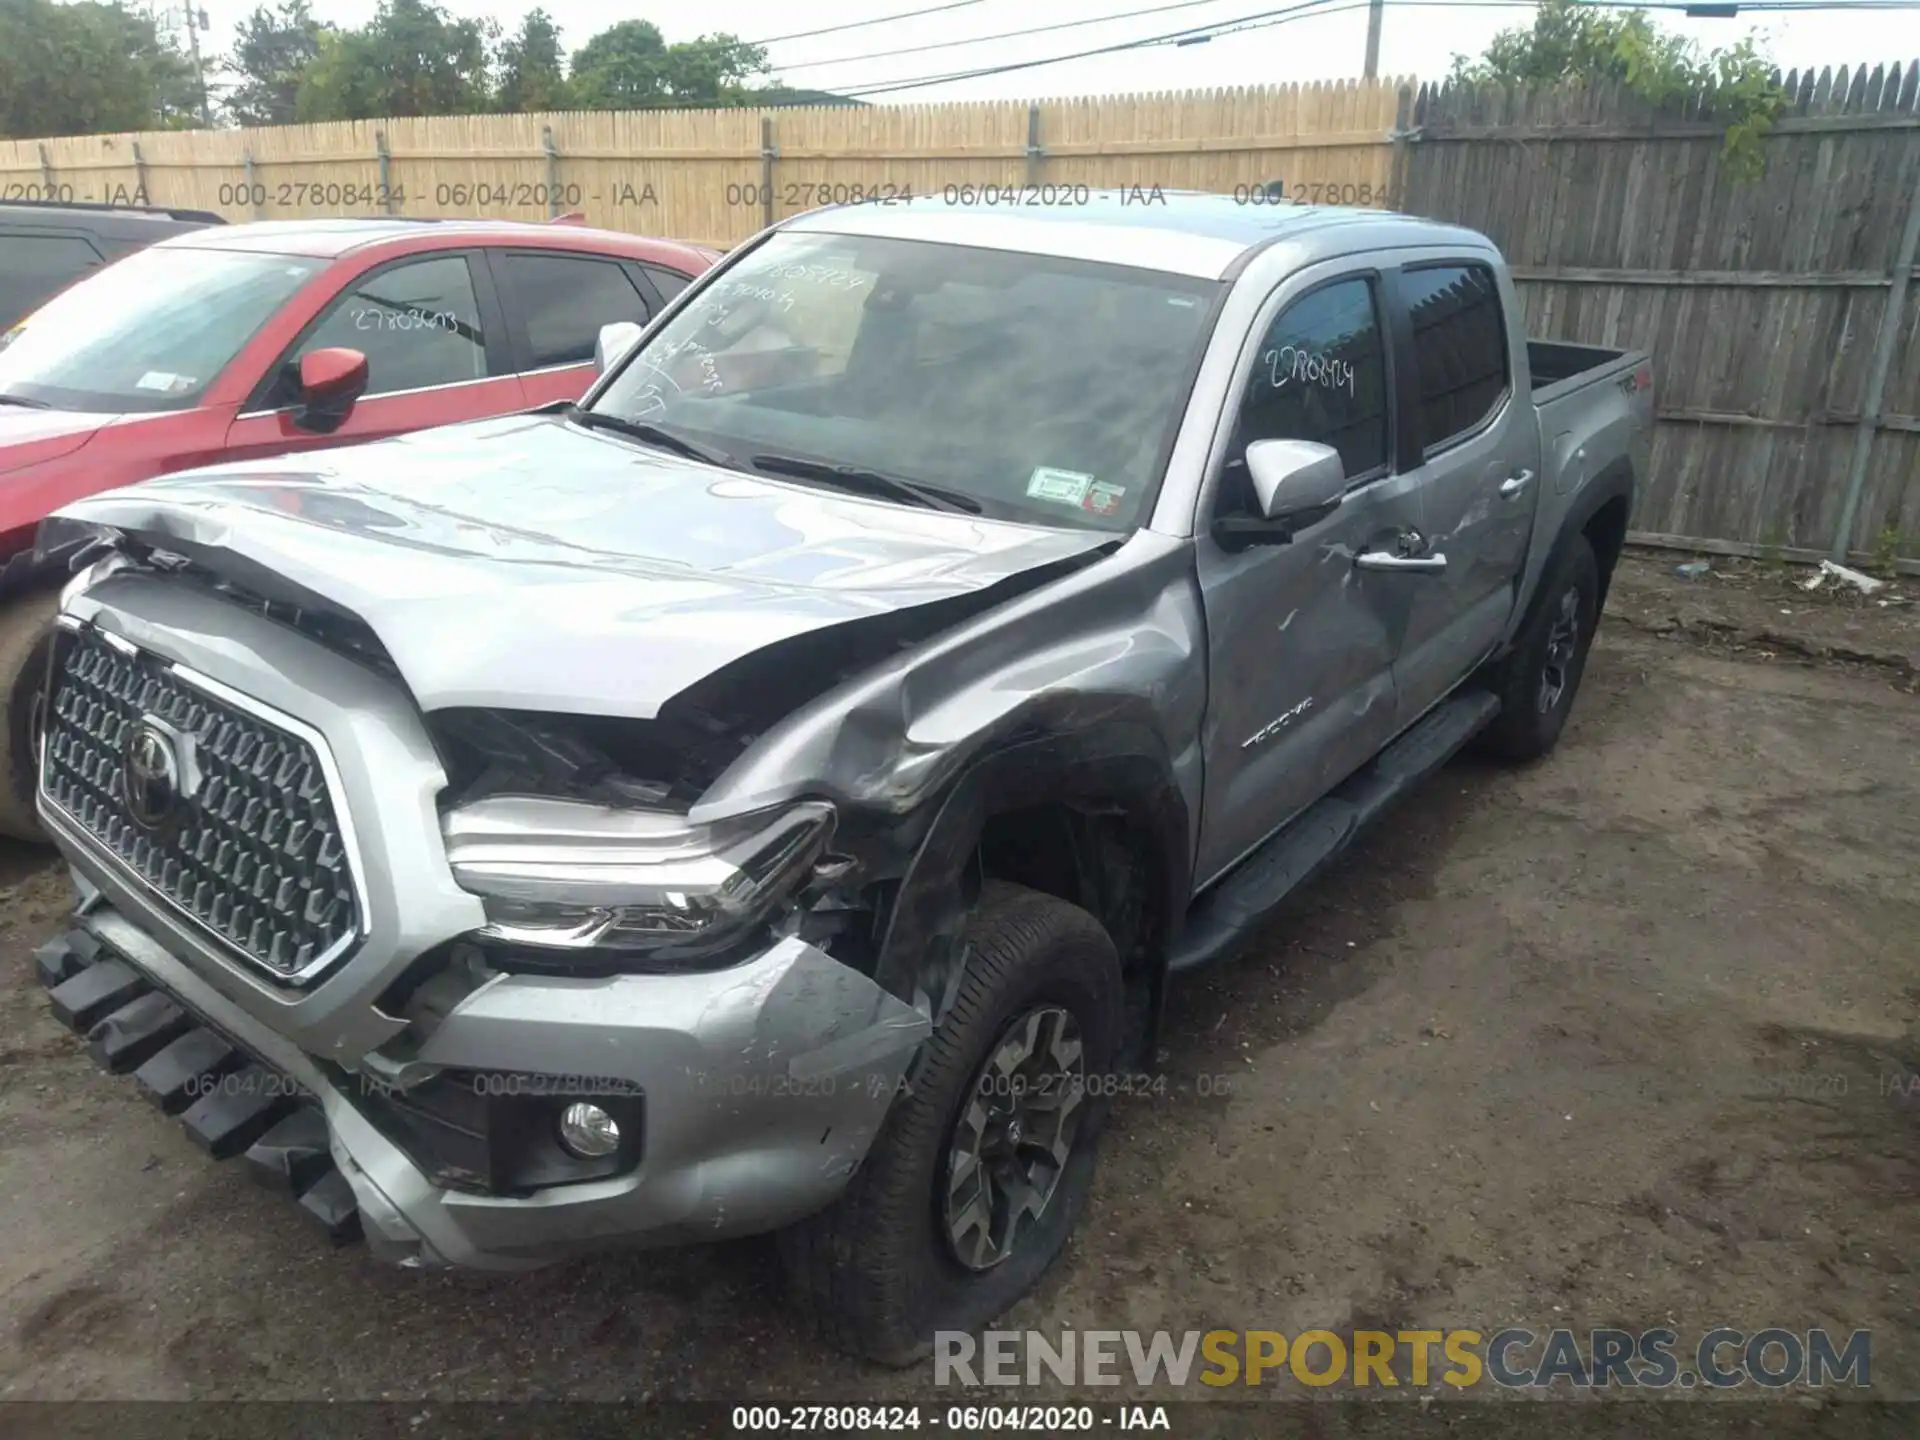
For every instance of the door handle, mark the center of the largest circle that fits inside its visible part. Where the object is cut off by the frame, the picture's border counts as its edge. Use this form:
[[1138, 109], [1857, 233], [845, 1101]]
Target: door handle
[[1387, 560], [1514, 484]]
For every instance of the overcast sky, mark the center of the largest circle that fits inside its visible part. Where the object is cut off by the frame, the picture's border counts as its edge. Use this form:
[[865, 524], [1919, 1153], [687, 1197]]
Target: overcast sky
[[1418, 39]]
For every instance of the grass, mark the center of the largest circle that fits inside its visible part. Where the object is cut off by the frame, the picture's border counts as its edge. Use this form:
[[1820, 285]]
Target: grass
[[1886, 550]]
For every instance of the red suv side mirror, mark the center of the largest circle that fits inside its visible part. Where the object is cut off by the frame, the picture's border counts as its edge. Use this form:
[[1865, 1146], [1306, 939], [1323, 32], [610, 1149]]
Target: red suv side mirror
[[331, 381]]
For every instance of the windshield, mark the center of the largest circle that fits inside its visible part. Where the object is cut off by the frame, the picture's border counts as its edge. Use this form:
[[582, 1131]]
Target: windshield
[[149, 332], [1038, 389]]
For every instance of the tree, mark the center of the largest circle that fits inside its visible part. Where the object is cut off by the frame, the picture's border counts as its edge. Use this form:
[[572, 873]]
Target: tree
[[89, 68], [1573, 41], [271, 53], [630, 67], [412, 58], [713, 70], [619, 69], [105, 65], [532, 68]]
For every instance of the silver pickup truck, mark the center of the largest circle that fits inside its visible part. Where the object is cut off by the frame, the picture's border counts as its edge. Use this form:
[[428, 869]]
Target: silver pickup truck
[[775, 794]]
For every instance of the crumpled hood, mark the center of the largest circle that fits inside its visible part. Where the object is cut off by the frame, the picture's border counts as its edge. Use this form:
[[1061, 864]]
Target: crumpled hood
[[29, 436], [526, 563]]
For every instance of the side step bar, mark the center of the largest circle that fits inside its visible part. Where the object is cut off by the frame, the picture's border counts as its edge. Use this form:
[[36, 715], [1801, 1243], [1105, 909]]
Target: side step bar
[[1259, 883]]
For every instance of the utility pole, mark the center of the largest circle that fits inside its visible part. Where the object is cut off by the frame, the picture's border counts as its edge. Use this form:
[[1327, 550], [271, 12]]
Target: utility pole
[[1375, 12], [196, 22]]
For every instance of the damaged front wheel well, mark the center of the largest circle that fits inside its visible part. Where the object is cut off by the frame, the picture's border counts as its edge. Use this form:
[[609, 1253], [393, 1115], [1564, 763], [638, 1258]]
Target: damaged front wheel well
[[1090, 815], [1107, 863]]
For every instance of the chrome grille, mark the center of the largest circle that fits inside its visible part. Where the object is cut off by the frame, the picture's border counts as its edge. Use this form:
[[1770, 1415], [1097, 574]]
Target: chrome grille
[[250, 847]]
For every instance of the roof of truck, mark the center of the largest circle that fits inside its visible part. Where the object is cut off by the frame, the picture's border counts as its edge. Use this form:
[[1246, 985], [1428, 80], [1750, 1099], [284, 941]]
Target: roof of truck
[[1188, 232]]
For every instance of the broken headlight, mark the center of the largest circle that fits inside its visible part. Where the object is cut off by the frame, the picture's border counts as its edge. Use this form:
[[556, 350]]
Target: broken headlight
[[570, 875]]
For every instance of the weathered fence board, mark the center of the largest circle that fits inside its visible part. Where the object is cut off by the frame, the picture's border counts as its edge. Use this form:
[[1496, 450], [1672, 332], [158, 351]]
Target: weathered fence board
[[719, 175], [1764, 300]]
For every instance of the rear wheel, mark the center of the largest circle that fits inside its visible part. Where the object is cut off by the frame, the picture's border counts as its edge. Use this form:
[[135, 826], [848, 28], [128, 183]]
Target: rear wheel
[[1538, 679], [978, 1175], [25, 634]]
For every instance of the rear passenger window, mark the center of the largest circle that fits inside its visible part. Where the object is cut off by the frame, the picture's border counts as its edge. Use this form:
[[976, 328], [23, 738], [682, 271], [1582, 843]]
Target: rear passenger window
[[34, 267], [567, 298], [668, 282], [1459, 349], [1320, 375]]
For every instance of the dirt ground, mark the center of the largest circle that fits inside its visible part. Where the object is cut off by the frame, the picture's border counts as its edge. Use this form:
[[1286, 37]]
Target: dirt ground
[[1756, 610], [1616, 1040]]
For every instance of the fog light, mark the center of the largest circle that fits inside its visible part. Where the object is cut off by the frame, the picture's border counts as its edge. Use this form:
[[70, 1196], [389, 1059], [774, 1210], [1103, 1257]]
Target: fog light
[[588, 1131]]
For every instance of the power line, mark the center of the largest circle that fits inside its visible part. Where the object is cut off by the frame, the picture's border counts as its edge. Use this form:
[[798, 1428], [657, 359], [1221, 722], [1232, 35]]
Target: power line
[[1171, 37], [1686, 7], [864, 24], [1310, 9], [1255, 23], [1002, 35]]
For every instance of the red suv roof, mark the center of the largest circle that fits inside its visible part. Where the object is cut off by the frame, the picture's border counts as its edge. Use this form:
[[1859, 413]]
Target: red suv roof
[[328, 239]]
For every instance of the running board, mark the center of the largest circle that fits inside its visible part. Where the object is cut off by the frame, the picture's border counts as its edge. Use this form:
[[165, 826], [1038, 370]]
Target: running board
[[1231, 908]]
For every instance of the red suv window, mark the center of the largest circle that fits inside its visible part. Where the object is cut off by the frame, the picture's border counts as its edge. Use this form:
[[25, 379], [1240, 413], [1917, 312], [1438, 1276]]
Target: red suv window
[[417, 322], [566, 299]]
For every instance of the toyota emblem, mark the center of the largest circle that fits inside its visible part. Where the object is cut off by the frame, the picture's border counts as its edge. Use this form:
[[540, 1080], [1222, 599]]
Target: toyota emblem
[[153, 775]]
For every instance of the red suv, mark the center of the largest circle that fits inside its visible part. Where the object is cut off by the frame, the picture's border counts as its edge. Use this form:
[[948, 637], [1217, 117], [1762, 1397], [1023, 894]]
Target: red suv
[[251, 340]]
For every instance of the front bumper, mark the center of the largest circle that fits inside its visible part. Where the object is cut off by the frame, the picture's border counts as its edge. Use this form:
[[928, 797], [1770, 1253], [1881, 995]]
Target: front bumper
[[762, 1085]]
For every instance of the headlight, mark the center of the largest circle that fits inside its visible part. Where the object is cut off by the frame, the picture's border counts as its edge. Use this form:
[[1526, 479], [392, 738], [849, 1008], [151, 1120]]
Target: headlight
[[569, 875]]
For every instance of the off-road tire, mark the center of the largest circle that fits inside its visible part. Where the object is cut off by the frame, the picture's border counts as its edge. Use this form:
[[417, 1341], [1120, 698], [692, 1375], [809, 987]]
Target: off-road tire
[[1524, 730], [25, 632], [873, 1272]]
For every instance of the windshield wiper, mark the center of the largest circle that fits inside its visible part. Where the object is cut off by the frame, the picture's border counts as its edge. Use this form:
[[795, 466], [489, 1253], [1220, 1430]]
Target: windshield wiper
[[23, 400], [650, 434], [870, 482]]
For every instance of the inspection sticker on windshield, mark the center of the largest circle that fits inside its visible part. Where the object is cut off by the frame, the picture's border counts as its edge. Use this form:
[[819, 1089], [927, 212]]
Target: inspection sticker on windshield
[[1103, 498], [164, 380], [1068, 487]]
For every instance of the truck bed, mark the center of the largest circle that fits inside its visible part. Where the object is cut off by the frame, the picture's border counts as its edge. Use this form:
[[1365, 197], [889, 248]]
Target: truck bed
[[1592, 401], [1559, 368]]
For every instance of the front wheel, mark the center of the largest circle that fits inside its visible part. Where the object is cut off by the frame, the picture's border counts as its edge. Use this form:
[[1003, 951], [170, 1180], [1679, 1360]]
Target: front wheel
[[1539, 677], [982, 1167], [25, 633]]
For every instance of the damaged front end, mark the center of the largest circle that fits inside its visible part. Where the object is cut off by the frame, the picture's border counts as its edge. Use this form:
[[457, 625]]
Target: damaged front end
[[554, 914]]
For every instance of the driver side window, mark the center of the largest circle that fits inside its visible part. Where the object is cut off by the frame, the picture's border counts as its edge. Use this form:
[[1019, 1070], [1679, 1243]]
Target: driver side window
[[418, 324], [1320, 375]]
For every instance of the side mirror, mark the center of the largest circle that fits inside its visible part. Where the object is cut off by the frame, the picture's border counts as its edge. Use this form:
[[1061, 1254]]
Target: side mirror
[[1296, 483], [330, 381], [614, 342], [1296, 480]]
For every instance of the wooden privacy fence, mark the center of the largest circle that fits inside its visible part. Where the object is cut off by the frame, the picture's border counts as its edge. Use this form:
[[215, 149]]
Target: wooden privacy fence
[[717, 176], [1780, 311]]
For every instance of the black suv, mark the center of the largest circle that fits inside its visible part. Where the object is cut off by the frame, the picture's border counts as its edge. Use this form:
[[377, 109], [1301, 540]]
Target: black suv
[[44, 247]]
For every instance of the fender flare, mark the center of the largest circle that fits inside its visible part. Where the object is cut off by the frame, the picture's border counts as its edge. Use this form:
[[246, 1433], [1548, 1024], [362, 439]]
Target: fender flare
[[1119, 766], [1615, 481]]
